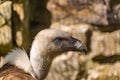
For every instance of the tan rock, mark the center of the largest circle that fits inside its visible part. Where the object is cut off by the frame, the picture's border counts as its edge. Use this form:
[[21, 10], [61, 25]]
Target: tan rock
[[76, 11], [5, 9], [5, 35], [2, 21], [106, 43]]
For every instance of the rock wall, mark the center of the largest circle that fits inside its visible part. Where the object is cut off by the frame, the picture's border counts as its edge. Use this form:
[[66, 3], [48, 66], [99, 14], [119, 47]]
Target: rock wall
[[5, 26], [14, 25], [22, 19], [100, 12]]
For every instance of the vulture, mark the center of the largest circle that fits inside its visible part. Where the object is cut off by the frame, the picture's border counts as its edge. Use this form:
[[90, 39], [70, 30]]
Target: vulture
[[46, 45]]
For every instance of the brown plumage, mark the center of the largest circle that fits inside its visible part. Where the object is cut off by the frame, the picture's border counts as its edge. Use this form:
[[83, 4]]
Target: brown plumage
[[10, 72], [47, 44]]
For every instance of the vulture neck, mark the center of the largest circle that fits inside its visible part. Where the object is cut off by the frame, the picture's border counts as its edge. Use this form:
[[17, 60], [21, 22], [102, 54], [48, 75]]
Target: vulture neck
[[39, 60]]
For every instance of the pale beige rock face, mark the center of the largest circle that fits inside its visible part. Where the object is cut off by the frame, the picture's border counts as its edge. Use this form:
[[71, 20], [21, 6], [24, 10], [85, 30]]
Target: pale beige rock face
[[75, 11], [5, 35], [5, 26], [5, 23], [106, 43], [2, 21], [5, 9]]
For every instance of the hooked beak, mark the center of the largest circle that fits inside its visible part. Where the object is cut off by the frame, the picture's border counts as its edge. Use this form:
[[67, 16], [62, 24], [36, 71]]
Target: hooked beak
[[78, 45]]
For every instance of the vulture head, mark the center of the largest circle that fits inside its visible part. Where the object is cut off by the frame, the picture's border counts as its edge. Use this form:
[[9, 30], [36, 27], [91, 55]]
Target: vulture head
[[47, 44], [52, 42]]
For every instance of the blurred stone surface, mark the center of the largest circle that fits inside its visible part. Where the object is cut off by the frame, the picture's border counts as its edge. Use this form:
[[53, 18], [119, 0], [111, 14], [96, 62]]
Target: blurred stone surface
[[106, 43], [116, 10], [75, 11], [107, 71], [5, 35], [5, 27], [97, 12], [5, 10], [70, 65], [2, 21]]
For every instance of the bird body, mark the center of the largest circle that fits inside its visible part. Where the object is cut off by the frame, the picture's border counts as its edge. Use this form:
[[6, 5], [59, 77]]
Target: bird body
[[47, 44], [15, 64], [11, 72]]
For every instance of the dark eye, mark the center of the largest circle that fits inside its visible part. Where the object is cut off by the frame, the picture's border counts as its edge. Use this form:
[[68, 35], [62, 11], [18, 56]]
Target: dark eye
[[73, 40], [58, 40]]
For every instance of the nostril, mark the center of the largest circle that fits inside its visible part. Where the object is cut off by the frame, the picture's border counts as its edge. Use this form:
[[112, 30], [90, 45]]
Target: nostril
[[73, 40]]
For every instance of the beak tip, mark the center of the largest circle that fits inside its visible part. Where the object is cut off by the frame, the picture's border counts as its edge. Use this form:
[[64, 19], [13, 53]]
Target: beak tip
[[79, 45], [84, 49]]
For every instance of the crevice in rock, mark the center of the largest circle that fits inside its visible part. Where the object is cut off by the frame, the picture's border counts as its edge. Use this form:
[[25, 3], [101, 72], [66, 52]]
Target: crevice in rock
[[106, 59]]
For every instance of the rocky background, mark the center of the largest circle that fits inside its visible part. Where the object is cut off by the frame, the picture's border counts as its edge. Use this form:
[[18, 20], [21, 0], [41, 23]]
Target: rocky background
[[96, 22]]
